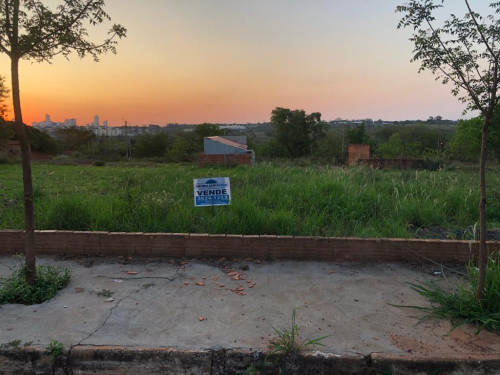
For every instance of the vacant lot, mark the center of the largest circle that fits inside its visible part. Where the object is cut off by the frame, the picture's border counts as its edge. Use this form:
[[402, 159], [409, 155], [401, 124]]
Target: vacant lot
[[267, 199]]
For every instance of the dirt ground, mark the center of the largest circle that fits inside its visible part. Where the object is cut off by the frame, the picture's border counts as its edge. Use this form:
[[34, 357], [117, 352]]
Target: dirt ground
[[198, 304]]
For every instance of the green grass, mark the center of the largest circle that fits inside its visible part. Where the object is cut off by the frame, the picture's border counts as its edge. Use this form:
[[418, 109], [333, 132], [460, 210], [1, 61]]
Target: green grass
[[266, 199], [460, 306]]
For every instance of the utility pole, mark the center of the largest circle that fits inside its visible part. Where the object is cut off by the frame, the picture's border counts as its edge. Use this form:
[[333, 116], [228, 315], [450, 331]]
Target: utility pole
[[127, 144]]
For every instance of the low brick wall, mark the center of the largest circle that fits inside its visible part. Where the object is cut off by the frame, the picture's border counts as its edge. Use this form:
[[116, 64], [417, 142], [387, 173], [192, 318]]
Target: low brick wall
[[239, 159], [179, 245]]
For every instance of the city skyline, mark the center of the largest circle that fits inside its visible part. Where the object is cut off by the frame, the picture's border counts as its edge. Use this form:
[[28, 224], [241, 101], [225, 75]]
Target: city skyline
[[221, 62]]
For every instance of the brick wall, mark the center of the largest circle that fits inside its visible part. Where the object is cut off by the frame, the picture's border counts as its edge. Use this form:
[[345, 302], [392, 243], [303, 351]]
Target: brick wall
[[356, 152], [179, 245], [239, 159]]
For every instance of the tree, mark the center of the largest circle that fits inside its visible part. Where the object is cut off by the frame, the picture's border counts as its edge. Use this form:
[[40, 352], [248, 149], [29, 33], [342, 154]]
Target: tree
[[74, 138], [463, 52], [296, 131], [466, 143], [393, 148], [358, 134], [151, 145], [32, 31], [180, 151], [205, 130]]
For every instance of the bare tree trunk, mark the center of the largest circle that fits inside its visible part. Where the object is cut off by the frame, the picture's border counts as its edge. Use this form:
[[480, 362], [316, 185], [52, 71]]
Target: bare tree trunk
[[482, 213], [29, 216]]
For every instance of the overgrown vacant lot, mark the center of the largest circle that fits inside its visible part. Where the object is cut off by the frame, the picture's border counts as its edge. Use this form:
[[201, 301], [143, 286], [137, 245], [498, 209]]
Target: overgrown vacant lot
[[267, 199]]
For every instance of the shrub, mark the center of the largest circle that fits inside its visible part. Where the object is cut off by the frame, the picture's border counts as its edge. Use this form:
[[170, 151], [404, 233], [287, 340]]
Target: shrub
[[49, 281], [99, 163], [460, 306]]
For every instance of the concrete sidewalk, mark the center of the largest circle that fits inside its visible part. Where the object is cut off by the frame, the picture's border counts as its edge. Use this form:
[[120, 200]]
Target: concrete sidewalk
[[349, 302]]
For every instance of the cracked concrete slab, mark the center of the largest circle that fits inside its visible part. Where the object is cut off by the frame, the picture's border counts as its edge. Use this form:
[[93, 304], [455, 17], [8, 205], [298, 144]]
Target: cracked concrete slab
[[348, 302]]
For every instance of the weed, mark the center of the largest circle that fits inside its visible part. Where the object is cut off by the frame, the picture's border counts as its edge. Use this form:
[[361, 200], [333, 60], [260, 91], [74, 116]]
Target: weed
[[460, 306], [288, 339], [55, 349], [49, 281], [11, 344], [105, 293], [148, 285]]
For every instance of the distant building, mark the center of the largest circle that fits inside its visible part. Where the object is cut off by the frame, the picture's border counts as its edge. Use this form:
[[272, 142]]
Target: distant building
[[96, 121], [105, 123], [70, 122], [226, 150]]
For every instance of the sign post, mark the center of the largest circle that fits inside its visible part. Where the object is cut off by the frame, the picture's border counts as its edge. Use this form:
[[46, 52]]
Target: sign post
[[212, 192]]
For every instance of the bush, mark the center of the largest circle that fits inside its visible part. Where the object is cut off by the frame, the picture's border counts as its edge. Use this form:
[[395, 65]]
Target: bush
[[99, 163], [460, 306], [49, 281]]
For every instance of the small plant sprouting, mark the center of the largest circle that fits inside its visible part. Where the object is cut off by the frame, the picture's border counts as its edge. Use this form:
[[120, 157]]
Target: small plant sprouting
[[55, 349], [105, 293], [148, 285], [11, 344], [288, 339]]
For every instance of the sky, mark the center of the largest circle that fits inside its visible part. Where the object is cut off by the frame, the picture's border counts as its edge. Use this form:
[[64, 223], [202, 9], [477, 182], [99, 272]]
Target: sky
[[234, 61]]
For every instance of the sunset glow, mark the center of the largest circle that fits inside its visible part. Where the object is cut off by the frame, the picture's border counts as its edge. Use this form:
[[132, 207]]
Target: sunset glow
[[193, 61]]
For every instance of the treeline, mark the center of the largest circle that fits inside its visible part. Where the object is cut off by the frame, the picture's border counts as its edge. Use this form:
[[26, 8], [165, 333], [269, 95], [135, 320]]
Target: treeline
[[295, 134]]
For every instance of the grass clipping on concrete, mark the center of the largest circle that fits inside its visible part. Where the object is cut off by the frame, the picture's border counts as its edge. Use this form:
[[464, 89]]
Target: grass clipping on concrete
[[49, 281], [460, 306]]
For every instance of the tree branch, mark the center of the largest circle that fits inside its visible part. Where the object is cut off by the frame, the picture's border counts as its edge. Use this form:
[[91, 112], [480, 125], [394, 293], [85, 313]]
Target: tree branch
[[62, 28], [479, 29], [457, 69], [8, 26]]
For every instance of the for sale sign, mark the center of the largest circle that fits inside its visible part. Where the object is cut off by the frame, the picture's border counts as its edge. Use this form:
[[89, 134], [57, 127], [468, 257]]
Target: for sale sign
[[212, 191]]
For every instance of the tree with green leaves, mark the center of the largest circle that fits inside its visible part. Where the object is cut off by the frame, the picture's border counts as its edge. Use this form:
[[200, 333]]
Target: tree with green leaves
[[465, 53], [33, 31], [358, 134], [151, 145], [205, 130], [466, 142], [297, 131], [73, 138]]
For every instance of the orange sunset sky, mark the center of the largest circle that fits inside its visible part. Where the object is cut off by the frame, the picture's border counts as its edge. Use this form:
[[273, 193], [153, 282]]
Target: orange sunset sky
[[193, 61]]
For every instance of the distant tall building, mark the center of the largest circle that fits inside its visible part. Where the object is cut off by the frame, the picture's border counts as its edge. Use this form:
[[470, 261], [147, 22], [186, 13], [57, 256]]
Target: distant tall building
[[47, 119], [105, 123], [70, 122], [96, 120]]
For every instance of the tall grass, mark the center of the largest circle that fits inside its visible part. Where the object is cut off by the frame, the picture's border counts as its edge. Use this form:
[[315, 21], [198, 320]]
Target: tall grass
[[266, 199], [460, 306]]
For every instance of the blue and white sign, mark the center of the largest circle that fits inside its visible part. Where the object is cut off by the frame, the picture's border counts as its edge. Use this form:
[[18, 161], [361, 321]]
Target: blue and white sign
[[212, 191]]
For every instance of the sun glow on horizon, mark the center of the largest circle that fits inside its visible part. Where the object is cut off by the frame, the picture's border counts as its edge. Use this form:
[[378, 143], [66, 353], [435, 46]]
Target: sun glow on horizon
[[233, 62]]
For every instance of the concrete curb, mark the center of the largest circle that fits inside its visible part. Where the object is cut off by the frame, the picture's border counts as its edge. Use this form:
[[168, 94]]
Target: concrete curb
[[114, 360], [450, 364]]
